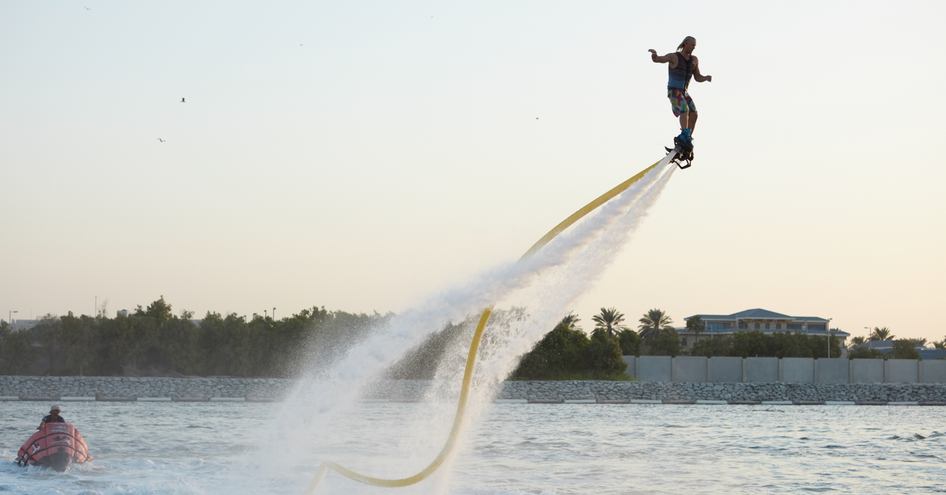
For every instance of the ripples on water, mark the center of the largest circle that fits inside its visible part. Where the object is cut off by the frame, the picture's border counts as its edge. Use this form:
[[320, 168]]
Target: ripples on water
[[209, 448]]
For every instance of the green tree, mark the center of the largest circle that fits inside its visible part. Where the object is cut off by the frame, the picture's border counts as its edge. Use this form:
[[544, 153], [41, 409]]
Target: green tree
[[917, 342], [864, 352], [630, 342], [609, 320], [665, 343], [904, 349], [881, 333], [716, 346], [218, 343], [604, 354], [159, 310], [758, 344], [658, 337], [17, 353], [76, 339], [653, 322], [111, 346], [750, 344], [858, 349], [560, 353]]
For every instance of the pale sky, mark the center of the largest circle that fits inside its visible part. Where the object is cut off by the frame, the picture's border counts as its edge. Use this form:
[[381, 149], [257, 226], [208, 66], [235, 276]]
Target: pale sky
[[365, 155]]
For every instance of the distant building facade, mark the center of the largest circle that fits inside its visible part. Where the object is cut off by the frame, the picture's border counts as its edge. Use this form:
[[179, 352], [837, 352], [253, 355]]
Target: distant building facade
[[761, 320]]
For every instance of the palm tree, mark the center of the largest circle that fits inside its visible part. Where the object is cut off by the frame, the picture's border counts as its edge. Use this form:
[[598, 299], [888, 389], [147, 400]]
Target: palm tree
[[653, 322], [881, 334], [609, 320], [856, 342], [569, 321]]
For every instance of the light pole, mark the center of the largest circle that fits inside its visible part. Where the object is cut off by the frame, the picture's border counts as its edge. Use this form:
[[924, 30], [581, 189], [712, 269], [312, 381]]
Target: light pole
[[274, 313], [10, 317]]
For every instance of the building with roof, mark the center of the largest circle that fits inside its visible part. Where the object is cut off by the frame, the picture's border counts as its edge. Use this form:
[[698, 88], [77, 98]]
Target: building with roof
[[761, 320]]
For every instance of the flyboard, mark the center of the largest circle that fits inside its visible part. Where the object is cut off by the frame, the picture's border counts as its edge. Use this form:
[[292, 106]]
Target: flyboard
[[682, 152]]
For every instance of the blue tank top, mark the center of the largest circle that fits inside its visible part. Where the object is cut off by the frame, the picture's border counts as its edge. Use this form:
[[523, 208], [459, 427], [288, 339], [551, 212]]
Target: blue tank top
[[681, 74]]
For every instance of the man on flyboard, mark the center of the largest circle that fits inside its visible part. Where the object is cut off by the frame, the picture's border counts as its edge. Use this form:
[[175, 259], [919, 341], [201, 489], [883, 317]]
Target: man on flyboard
[[683, 66]]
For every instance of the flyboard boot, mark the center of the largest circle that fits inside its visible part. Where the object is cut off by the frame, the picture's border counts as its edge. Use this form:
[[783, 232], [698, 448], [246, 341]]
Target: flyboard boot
[[683, 149]]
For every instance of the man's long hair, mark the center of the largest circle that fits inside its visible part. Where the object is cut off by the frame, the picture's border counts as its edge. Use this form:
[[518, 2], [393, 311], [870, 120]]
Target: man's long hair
[[688, 38]]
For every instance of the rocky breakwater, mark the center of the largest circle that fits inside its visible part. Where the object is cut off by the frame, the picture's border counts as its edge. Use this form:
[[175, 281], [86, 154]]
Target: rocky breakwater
[[51, 388], [109, 388], [618, 391]]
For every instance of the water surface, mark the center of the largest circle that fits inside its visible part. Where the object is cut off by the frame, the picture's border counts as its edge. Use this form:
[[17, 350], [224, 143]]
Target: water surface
[[209, 448]]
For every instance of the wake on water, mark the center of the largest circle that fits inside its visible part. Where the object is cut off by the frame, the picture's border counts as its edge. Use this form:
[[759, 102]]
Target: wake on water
[[542, 287]]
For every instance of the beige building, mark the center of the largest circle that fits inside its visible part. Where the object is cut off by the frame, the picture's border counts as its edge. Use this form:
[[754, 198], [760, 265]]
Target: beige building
[[761, 320]]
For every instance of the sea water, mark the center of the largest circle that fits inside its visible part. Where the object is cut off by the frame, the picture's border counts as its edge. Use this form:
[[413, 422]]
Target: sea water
[[214, 447]]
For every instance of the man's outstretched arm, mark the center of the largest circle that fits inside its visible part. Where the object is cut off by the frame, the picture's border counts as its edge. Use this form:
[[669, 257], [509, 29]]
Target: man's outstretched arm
[[696, 72], [660, 59]]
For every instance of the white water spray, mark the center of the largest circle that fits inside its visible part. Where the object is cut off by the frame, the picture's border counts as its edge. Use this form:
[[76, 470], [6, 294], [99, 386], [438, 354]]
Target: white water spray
[[544, 284]]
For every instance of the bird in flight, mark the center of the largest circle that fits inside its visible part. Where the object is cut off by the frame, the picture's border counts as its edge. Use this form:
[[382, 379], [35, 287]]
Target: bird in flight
[[183, 100], [161, 140]]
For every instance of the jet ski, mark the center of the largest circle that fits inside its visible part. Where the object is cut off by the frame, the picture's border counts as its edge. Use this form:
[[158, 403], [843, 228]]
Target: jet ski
[[54, 445]]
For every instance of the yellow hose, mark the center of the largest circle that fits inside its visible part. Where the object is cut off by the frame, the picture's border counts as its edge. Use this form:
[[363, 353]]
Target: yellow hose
[[459, 416]]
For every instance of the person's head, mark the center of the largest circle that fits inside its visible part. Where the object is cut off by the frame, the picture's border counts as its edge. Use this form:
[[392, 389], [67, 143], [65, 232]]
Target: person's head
[[54, 410], [687, 45]]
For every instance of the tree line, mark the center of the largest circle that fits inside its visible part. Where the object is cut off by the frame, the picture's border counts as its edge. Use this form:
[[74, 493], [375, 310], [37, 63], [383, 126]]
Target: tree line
[[153, 341]]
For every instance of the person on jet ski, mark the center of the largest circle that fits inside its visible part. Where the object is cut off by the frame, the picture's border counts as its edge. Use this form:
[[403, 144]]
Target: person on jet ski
[[52, 417]]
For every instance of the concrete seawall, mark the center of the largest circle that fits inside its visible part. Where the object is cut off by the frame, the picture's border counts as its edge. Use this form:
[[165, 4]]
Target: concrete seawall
[[698, 369], [110, 389]]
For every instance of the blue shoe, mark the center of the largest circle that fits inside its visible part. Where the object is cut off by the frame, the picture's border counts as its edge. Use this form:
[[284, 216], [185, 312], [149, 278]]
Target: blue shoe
[[683, 141]]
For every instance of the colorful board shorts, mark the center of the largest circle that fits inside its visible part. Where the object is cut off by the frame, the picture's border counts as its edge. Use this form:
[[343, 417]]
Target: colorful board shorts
[[680, 101]]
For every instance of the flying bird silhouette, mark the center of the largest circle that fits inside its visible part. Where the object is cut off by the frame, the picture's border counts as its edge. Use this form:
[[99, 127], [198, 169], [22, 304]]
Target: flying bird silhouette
[[183, 100], [161, 139]]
